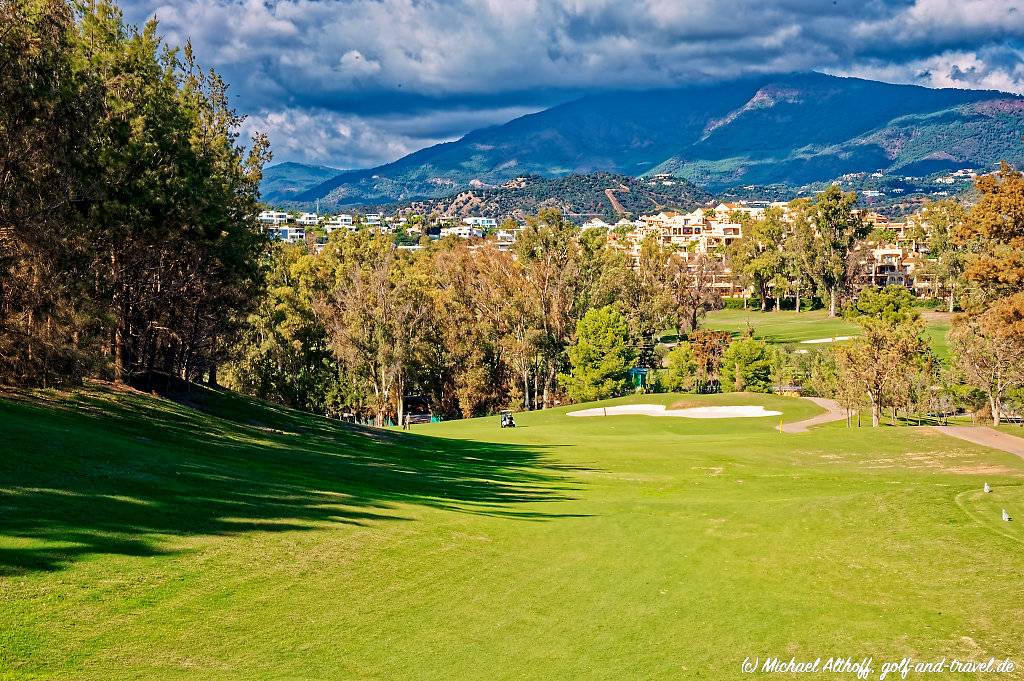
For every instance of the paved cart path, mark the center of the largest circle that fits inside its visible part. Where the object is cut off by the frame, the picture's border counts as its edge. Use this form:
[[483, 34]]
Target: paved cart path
[[989, 437], [833, 412]]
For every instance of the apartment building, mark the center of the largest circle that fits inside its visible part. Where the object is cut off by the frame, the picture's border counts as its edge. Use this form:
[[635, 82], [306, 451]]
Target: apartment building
[[274, 217]]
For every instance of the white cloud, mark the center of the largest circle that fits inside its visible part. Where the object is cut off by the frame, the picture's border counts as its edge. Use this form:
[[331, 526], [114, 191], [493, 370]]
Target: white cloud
[[353, 62], [1000, 69], [331, 138], [400, 68], [349, 141]]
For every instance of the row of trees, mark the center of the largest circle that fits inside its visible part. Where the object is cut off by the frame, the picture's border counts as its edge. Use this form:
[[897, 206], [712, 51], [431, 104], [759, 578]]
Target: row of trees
[[128, 242], [812, 253], [819, 247], [362, 324], [977, 253]]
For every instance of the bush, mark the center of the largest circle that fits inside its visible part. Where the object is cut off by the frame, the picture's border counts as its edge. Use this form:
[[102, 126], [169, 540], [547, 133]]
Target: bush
[[931, 303], [681, 372], [747, 365], [753, 303]]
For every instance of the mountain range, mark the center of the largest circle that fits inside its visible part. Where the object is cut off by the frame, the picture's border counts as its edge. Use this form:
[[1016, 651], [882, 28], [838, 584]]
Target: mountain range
[[282, 182], [786, 129]]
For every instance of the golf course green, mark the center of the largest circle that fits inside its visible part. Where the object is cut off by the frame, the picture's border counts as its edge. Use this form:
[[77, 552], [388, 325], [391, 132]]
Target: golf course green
[[220, 538], [786, 327]]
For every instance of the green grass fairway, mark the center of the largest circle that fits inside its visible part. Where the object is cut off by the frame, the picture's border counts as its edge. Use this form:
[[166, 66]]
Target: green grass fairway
[[936, 330], [142, 539], [784, 326], [787, 326]]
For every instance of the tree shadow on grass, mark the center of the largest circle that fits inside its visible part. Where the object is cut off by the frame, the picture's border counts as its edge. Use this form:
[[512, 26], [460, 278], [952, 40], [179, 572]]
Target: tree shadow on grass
[[104, 471]]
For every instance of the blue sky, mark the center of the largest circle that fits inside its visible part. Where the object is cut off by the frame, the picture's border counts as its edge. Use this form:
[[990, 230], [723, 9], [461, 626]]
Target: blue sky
[[355, 83]]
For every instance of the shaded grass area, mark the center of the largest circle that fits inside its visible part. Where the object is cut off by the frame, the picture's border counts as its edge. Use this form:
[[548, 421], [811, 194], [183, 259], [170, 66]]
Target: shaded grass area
[[252, 542], [111, 471]]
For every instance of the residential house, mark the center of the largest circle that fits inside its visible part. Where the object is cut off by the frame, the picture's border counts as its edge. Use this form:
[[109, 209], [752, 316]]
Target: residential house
[[274, 217], [462, 232], [483, 224], [336, 222]]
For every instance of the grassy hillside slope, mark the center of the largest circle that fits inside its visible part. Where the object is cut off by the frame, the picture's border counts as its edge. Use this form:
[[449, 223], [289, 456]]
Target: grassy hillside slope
[[140, 538]]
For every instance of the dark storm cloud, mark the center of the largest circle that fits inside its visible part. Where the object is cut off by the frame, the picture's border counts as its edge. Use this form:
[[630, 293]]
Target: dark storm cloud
[[358, 82]]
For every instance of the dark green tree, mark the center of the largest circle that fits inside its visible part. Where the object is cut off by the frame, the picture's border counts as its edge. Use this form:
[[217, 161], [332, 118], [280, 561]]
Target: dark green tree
[[600, 356]]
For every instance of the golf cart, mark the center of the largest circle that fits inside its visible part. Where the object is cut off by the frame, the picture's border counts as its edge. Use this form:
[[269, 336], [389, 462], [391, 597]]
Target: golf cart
[[506, 419]]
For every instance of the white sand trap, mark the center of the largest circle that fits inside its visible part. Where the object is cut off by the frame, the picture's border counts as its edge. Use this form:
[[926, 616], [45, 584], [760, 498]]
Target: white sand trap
[[732, 412], [828, 340]]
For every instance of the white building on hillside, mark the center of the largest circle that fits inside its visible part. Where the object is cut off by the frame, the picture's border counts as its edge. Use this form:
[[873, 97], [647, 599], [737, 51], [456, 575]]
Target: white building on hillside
[[595, 223], [274, 217], [290, 235], [336, 222], [482, 223], [308, 219], [462, 232]]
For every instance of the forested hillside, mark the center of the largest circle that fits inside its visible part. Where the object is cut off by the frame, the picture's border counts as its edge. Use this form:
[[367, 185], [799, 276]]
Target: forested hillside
[[601, 195]]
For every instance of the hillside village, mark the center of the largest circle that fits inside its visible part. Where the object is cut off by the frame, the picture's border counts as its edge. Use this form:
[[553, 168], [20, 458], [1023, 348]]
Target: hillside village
[[894, 253]]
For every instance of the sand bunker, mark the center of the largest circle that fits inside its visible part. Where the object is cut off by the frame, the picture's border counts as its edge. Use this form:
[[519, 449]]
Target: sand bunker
[[732, 412], [833, 339]]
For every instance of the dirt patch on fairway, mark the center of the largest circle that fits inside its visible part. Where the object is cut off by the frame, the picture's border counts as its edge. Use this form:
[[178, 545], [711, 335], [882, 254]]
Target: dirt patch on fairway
[[723, 412], [980, 469], [686, 404]]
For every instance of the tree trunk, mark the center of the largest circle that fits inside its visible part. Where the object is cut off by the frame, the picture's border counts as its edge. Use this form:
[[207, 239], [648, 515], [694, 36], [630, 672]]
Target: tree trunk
[[876, 412], [778, 303], [798, 298], [832, 294], [549, 380], [120, 354], [212, 380], [951, 298], [996, 407]]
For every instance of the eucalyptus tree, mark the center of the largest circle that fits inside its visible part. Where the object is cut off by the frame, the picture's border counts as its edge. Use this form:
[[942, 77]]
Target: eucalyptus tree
[[826, 231]]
